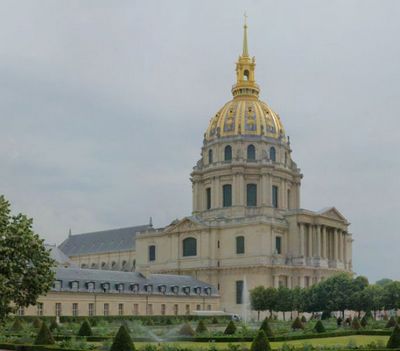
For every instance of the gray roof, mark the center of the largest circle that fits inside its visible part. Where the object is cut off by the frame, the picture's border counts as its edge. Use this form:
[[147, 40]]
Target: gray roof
[[130, 282], [112, 240], [57, 255]]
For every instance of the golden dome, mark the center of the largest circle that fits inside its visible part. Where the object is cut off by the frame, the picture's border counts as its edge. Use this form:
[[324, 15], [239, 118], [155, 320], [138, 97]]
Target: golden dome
[[245, 117], [245, 114]]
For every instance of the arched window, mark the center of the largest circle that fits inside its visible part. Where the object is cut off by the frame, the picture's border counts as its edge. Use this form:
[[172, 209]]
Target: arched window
[[240, 244], [246, 75], [227, 195], [251, 153], [251, 194], [152, 253], [228, 153], [272, 154], [210, 156], [189, 247]]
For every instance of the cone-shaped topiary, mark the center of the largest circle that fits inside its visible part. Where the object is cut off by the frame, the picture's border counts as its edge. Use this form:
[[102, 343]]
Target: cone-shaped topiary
[[355, 323], [325, 315], [297, 324], [319, 327], [390, 323], [37, 323], [122, 341], [214, 320], [201, 327], [364, 321], [230, 328], [368, 315], [17, 326], [266, 328], [85, 329], [168, 321], [260, 342], [44, 336], [186, 330], [53, 325], [303, 319], [394, 340], [339, 321]]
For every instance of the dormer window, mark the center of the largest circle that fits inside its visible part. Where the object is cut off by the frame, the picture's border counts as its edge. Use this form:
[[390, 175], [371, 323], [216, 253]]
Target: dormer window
[[207, 290], [58, 285], [105, 287], [120, 287], [162, 289], [175, 289], [197, 290], [75, 285], [148, 288], [90, 286], [186, 290], [135, 288]]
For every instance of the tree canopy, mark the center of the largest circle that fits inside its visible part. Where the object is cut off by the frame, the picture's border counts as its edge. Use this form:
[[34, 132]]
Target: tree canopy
[[25, 264]]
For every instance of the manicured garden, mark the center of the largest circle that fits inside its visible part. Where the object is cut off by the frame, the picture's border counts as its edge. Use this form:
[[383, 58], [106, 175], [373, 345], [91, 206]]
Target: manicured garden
[[177, 333]]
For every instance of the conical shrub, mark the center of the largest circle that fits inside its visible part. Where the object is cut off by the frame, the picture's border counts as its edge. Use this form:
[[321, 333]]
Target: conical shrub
[[53, 325], [230, 328], [44, 336], [214, 320], [368, 315], [355, 324], [319, 327], [394, 340], [390, 323], [37, 323], [201, 327], [85, 329], [122, 341], [17, 326], [266, 328], [364, 321], [260, 342], [186, 330], [339, 321], [303, 319], [297, 324]]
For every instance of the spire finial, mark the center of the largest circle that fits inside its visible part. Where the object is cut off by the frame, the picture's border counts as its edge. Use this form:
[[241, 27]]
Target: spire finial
[[151, 222], [69, 232], [245, 48]]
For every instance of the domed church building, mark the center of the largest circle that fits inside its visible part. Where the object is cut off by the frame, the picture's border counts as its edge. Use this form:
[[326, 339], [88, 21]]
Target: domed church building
[[247, 227]]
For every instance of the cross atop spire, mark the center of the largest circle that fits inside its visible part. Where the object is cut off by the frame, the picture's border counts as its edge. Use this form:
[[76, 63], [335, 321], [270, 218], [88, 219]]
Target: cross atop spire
[[245, 47]]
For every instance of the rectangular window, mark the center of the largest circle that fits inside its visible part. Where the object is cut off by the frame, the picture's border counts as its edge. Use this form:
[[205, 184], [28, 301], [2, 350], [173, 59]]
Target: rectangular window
[[58, 309], [251, 194], [21, 311], [239, 292], [278, 245], [209, 307], [135, 308], [227, 195], [75, 310], [106, 309], [275, 196], [176, 309], [91, 309], [208, 198], [40, 309], [152, 253], [149, 309], [120, 309], [198, 308], [163, 309], [187, 309], [240, 244]]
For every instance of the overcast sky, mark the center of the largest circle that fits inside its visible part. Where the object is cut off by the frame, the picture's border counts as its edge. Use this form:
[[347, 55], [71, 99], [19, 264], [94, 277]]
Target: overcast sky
[[103, 106]]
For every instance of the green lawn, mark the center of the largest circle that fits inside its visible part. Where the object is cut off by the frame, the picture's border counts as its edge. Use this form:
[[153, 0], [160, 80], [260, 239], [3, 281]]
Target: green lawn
[[340, 340]]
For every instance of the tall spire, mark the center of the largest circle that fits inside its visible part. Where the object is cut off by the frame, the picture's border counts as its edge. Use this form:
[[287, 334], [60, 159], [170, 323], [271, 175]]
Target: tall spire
[[245, 48]]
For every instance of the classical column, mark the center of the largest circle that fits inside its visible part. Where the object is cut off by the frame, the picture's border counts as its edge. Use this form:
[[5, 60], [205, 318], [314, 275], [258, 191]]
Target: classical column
[[240, 185], [318, 240], [269, 189], [302, 284], [345, 248], [264, 189], [335, 244], [276, 281], [324, 243], [217, 193], [310, 241], [301, 244], [289, 281]]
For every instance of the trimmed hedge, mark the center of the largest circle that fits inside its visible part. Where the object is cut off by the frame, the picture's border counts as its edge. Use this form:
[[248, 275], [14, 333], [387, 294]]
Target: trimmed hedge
[[122, 341], [85, 329], [44, 336], [260, 342]]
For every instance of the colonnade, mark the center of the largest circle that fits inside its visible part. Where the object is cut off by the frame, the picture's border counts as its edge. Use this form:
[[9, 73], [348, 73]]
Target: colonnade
[[324, 242]]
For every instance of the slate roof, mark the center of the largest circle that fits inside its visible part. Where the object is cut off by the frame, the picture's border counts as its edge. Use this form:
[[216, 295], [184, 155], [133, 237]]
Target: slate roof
[[57, 255], [112, 240], [131, 282]]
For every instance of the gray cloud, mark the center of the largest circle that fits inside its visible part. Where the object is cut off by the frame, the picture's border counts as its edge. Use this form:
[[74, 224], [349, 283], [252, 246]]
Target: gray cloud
[[103, 106]]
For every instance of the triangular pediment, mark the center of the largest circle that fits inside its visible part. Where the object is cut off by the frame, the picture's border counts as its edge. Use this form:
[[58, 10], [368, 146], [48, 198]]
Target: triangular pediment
[[333, 213], [185, 224]]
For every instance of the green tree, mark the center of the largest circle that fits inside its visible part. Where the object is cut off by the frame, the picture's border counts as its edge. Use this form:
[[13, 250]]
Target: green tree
[[258, 300], [297, 324], [201, 327], [284, 301], [270, 296], [44, 336], [394, 340], [355, 323], [186, 330], [372, 298], [382, 282], [319, 327], [85, 329], [17, 326], [266, 328], [260, 342], [25, 264], [122, 341], [391, 295], [391, 323]]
